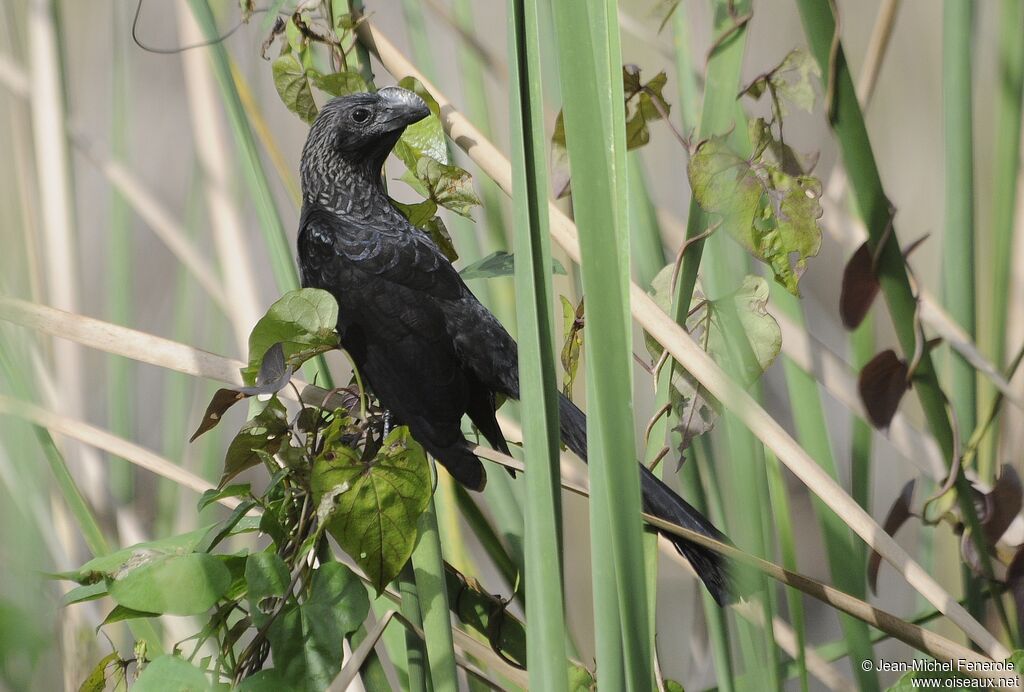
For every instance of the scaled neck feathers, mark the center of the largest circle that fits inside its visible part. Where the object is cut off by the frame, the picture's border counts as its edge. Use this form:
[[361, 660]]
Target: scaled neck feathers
[[349, 186]]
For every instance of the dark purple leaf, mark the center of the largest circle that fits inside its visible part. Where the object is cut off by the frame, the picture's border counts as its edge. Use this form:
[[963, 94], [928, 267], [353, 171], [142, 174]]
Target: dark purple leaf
[[882, 384], [1002, 505], [969, 553], [1015, 581], [897, 517], [274, 373], [860, 286]]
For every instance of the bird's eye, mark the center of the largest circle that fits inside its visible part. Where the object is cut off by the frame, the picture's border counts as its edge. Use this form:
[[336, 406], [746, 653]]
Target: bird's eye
[[361, 115]]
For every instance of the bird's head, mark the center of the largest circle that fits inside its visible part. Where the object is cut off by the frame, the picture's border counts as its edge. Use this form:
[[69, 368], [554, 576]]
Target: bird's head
[[356, 132]]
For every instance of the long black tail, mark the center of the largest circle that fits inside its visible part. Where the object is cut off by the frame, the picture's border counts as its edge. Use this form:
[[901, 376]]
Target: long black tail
[[664, 503]]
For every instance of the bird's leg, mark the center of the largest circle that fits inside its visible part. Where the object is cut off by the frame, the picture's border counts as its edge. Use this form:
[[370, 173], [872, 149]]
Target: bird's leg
[[387, 422]]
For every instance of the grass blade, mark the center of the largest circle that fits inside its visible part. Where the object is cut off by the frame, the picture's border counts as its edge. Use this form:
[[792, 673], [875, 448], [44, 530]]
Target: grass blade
[[545, 608], [1009, 109], [787, 549], [588, 44], [686, 74], [645, 234], [120, 373], [958, 239], [846, 557]]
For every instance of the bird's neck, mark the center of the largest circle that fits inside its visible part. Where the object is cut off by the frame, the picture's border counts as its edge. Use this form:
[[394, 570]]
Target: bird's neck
[[346, 189]]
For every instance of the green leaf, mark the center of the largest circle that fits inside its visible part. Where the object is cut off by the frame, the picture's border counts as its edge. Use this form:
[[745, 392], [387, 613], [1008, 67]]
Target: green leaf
[[410, 179], [640, 104], [572, 326], [264, 434], [559, 160], [424, 138], [791, 81], [1016, 659], [236, 568], [914, 680], [174, 584], [266, 680], [695, 407], [247, 7], [438, 232], [446, 185], [306, 640], [423, 215], [762, 331], [336, 606], [80, 594], [296, 41], [97, 680], [581, 680], [120, 613], [499, 263], [302, 320], [371, 508], [275, 8], [267, 578], [418, 214], [776, 152], [213, 495], [340, 83], [172, 674], [227, 527], [107, 565], [293, 86], [644, 104], [772, 214]]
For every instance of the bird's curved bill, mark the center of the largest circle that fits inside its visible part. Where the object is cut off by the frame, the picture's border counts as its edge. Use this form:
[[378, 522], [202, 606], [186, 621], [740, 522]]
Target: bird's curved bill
[[404, 106]]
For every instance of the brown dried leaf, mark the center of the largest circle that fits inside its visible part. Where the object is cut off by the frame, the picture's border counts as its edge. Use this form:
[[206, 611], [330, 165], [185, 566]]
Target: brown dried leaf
[[222, 400]]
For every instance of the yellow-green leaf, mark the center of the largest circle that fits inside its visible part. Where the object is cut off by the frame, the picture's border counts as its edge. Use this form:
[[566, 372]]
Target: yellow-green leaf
[[340, 83], [695, 407], [773, 214], [292, 84], [371, 507], [423, 138]]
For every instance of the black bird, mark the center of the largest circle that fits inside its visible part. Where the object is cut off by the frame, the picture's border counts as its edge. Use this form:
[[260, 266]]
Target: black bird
[[422, 342]]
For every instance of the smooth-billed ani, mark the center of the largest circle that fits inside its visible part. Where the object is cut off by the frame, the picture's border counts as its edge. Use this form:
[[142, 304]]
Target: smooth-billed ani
[[422, 342]]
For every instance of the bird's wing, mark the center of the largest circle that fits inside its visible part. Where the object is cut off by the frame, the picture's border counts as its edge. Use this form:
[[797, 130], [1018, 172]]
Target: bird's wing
[[390, 285]]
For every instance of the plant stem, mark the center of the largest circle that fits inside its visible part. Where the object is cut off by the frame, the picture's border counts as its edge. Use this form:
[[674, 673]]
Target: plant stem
[[428, 567]]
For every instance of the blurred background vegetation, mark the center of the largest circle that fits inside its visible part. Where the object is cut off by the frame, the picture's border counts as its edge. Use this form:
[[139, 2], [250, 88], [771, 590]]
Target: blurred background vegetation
[[155, 188]]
